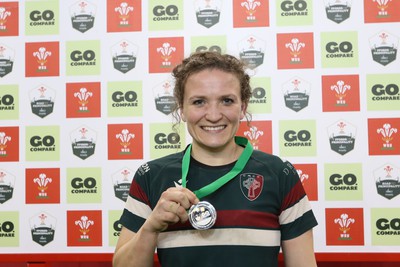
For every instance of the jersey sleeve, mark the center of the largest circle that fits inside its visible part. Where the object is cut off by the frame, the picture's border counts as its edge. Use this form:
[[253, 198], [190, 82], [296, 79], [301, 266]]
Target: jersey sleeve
[[137, 206], [296, 216]]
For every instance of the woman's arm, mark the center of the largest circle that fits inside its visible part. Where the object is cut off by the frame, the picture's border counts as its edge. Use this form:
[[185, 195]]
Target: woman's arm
[[299, 251], [137, 249]]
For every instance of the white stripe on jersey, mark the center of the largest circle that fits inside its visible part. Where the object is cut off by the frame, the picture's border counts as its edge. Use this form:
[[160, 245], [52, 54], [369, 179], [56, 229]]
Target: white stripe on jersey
[[138, 208], [215, 237], [291, 214]]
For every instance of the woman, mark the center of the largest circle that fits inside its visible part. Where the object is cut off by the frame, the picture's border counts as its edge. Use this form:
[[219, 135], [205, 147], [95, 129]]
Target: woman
[[243, 205]]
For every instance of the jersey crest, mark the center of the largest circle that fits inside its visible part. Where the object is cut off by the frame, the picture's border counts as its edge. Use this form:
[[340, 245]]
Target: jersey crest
[[251, 185]]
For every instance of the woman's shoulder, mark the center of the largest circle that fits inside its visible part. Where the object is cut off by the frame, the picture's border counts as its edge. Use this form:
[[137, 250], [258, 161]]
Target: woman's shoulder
[[162, 164], [268, 160], [165, 162], [266, 157], [273, 162]]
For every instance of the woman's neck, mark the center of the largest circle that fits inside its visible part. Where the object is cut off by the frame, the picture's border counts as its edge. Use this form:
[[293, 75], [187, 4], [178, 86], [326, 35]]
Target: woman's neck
[[217, 157]]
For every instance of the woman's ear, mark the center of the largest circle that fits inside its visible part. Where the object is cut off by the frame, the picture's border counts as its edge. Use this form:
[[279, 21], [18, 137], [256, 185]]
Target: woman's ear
[[243, 111], [182, 116]]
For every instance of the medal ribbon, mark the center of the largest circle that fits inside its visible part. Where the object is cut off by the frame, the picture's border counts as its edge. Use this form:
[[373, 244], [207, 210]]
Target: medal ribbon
[[214, 186]]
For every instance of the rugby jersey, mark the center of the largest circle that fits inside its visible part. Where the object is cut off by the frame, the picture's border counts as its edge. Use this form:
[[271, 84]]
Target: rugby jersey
[[256, 210]]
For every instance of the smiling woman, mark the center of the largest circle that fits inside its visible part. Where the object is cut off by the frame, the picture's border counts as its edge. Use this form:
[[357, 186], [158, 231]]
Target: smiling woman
[[244, 205]]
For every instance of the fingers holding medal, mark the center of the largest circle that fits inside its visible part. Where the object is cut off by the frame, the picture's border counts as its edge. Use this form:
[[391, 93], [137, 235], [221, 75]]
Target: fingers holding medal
[[177, 201], [174, 206]]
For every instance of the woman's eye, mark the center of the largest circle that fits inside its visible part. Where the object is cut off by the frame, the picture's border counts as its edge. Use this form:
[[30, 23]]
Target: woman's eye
[[198, 102], [227, 101]]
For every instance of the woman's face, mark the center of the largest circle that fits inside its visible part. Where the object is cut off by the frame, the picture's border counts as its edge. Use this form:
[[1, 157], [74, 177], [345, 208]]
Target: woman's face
[[212, 108]]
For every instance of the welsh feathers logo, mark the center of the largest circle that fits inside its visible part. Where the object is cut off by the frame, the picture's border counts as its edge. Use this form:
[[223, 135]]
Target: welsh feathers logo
[[42, 59], [124, 138], [125, 15], [9, 144], [250, 13], [340, 89], [124, 10], [42, 185], [165, 54], [84, 228], [376, 11], [125, 141], [9, 19], [295, 50], [384, 136], [253, 134], [3, 143], [295, 47], [382, 6], [344, 227], [308, 175], [3, 18], [165, 51], [340, 93], [387, 132], [251, 7], [83, 100], [259, 134], [344, 223]]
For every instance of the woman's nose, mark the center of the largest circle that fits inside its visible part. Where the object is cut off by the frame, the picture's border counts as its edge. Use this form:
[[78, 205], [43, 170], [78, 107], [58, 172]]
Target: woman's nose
[[213, 113]]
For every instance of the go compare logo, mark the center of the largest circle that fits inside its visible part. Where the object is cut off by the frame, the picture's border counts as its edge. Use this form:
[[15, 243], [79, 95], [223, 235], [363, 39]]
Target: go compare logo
[[84, 185], [297, 138], [9, 229], [385, 226], [164, 140], [42, 143], [343, 181], [42, 17], [383, 91], [83, 57]]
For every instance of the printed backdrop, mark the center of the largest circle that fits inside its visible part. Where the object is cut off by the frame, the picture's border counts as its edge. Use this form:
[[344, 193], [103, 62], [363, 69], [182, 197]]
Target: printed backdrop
[[86, 98]]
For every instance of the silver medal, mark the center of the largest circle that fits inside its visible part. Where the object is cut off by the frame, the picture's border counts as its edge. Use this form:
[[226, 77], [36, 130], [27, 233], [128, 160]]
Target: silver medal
[[203, 215]]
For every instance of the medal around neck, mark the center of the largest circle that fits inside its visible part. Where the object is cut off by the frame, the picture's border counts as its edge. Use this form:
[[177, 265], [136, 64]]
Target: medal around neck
[[202, 216]]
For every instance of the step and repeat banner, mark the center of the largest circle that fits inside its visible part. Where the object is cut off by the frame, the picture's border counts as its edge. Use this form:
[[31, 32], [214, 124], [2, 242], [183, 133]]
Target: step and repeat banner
[[86, 98]]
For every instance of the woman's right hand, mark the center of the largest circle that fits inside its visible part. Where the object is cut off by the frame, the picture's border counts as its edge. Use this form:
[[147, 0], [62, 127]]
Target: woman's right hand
[[171, 208]]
